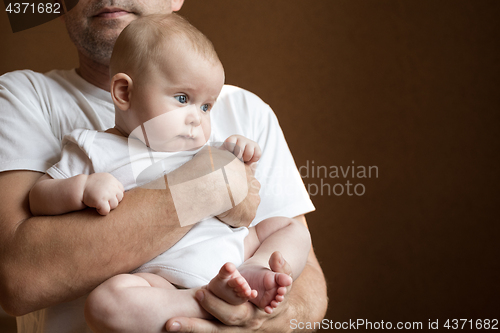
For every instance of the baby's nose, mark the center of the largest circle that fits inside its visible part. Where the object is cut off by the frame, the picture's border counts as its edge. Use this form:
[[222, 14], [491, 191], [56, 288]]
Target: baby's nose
[[193, 117]]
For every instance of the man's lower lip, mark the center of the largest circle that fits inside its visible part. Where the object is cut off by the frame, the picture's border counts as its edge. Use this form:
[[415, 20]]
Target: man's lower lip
[[112, 14]]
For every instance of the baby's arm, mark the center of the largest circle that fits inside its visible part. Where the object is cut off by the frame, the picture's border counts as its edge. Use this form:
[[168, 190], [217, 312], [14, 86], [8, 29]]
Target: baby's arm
[[243, 148], [58, 196]]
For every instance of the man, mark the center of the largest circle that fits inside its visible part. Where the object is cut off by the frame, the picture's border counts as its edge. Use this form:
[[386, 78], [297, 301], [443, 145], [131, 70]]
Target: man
[[47, 261]]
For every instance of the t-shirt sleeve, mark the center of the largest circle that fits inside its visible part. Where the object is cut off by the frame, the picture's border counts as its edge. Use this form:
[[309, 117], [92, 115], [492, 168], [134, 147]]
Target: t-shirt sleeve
[[73, 162], [26, 139], [283, 192]]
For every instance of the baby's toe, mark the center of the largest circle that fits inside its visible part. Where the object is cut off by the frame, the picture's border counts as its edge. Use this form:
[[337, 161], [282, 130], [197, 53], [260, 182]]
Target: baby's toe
[[283, 280], [281, 291]]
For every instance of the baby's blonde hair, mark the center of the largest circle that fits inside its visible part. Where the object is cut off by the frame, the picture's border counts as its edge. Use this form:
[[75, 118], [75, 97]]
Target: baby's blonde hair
[[141, 43]]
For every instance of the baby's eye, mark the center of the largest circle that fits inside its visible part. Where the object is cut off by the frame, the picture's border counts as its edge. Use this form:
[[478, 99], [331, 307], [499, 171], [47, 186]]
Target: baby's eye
[[183, 99], [205, 107]]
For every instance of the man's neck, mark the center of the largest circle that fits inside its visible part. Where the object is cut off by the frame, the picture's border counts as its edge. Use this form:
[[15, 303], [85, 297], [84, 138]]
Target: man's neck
[[93, 72]]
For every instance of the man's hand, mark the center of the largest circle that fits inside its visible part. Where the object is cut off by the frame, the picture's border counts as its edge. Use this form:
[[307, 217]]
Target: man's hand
[[239, 179], [306, 301], [103, 192], [245, 317], [244, 212]]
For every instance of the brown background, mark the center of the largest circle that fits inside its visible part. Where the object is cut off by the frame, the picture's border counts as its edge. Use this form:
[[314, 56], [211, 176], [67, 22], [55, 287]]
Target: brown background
[[412, 87]]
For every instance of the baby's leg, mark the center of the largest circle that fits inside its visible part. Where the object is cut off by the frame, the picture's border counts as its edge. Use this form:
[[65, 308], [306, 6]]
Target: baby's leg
[[288, 236], [278, 234], [274, 235], [140, 302]]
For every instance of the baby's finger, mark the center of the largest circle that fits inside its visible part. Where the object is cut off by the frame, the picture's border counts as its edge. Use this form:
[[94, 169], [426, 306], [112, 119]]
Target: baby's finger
[[103, 208], [113, 203], [256, 154], [239, 149], [248, 153], [230, 143], [119, 196]]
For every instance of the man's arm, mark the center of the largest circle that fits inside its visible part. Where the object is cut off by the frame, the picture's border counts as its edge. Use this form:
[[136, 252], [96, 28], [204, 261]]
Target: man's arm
[[307, 301], [51, 259]]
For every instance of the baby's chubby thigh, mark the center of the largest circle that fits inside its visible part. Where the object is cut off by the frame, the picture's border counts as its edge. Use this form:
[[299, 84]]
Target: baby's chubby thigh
[[154, 280], [110, 304]]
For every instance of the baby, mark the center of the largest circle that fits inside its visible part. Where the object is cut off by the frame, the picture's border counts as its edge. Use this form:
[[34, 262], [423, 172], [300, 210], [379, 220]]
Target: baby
[[166, 77]]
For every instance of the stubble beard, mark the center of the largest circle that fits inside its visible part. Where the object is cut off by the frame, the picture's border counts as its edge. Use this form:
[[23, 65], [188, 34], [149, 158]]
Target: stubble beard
[[96, 43], [95, 46]]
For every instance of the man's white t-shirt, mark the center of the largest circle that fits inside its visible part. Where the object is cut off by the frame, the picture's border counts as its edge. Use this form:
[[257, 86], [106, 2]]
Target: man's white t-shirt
[[37, 110]]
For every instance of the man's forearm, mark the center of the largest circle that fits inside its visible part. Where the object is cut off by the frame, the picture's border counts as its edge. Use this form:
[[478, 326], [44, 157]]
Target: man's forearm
[[51, 259], [48, 260], [57, 196]]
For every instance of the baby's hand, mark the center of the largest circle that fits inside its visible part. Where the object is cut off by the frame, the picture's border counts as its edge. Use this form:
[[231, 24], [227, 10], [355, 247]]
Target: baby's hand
[[243, 148], [103, 192]]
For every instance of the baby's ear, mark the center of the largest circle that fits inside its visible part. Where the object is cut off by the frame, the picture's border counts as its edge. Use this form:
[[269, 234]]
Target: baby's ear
[[121, 90]]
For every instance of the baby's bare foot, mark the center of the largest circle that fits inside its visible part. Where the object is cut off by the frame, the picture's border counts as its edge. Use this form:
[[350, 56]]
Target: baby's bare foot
[[230, 286], [271, 286]]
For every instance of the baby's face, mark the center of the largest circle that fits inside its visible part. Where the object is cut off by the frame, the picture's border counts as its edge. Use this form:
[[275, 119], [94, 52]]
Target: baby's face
[[174, 102]]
